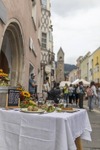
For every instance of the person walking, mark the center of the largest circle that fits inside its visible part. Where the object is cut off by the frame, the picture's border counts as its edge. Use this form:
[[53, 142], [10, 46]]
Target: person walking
[[81, 94], [45, 89], [76, 94], [98, 93], [93, 96], [32, 85], [66, 96], [71, 90]]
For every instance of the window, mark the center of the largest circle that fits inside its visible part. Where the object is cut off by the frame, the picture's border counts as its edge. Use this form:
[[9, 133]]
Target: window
[[31, 68], [97, 62], [34, 12], [50, 36], [44, 3], [97, 80], [3, 13], [44, 40], [52, 72], [60, 58], [97, 68]]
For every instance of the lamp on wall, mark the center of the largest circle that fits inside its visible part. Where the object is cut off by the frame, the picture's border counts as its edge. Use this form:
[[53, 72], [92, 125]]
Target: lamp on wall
[[51, 27]]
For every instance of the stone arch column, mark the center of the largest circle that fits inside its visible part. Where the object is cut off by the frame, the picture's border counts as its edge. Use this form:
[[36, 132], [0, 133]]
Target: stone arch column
[[12, 47]]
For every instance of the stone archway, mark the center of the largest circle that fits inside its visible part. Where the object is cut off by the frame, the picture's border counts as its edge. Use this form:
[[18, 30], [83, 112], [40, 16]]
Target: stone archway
[[12, 53], [4, 62]]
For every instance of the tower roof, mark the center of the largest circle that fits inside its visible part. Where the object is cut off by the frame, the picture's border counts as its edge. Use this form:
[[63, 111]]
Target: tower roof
[[61, 50]]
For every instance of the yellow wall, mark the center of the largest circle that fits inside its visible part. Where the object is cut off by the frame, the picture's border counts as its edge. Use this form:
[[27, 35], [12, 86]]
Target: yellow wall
[[96, 65], [84, 66]]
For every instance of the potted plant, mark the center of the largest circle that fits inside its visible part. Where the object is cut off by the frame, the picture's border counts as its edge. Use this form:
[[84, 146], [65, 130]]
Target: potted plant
[[4, 84]]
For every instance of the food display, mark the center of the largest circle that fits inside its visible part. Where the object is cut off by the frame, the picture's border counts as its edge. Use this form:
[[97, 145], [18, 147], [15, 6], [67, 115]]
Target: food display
[[26, 110], [60, 105], [50, 108], [29, 106], [33, 107], [67, 108], [27, 103], [58, 109]]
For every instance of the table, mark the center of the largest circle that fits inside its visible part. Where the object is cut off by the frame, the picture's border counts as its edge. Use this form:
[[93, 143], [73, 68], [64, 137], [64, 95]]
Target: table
[[51, 131]]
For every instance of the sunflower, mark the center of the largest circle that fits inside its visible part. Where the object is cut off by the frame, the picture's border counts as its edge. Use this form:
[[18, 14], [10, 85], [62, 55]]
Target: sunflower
[[25, 94], [20, 89], [1, 70], [1, 74], [3, 78]]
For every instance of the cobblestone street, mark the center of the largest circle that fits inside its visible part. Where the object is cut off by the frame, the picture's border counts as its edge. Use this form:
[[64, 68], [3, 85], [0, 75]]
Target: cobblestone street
[[94, 117]]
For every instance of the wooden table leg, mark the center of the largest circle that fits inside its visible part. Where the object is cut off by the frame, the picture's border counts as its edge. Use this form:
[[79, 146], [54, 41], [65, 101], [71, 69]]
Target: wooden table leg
[[78, 143]]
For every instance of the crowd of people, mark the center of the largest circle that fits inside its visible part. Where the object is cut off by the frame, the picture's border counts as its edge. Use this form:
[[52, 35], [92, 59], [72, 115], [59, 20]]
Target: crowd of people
[[70, 94], [76, 94]]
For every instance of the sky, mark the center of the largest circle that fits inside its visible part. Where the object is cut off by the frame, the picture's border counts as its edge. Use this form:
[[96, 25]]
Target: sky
[[76, 27]]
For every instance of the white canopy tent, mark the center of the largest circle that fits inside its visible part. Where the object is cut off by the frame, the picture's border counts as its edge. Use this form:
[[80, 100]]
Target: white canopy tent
[[75, 82], [62, 83], [85, 83]]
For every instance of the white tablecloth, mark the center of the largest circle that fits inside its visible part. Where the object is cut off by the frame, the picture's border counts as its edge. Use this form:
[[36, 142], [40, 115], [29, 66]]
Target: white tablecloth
[[52, 131]]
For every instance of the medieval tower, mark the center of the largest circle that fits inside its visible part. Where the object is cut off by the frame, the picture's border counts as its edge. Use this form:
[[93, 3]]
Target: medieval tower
[[60, 66]]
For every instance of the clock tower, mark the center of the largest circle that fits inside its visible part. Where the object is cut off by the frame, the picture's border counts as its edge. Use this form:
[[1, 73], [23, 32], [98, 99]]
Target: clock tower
[[60, 66]]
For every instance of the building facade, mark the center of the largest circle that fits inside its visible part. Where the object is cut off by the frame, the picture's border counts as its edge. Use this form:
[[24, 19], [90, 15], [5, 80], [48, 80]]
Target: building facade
[[47, 54], [84, 66], [96, 65], [73, 75], [20, 49], [88, 67], [78, 64]]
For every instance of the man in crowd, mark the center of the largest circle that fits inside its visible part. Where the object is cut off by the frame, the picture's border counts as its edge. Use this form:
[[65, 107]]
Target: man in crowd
[[81, 94], [32, 85]]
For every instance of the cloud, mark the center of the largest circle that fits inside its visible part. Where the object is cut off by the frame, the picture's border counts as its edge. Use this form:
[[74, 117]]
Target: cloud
[[77, 33], [69, 7]]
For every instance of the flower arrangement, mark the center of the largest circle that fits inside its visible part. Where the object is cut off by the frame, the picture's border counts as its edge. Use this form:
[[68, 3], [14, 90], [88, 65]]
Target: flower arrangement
[[23, 93], [3, 78], [25, 97]]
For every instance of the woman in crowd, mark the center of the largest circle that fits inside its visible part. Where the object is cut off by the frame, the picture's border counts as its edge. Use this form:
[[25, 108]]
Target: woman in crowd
[[32, 85], [65, 91], [76, 94], [71, 90], [81, 94], [46, 89], [93, 95], [98, 93]]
